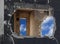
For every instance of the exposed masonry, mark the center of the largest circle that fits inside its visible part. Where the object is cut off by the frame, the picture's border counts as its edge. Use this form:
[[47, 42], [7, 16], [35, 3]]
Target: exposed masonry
[[12, 8]]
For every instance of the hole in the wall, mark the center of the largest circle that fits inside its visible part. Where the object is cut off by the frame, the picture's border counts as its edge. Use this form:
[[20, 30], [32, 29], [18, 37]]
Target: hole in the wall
[[17, 19], [22, 26], [47, 26], [47, 12]]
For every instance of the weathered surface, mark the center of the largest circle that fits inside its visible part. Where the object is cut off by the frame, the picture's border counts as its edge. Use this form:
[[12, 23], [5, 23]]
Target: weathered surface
[[1, 16]]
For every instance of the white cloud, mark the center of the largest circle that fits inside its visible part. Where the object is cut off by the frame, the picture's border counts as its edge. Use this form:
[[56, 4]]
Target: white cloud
[[47, 19], [22, 28]]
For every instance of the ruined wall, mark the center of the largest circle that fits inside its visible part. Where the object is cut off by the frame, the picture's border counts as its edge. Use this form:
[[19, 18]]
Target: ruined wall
[[32, 24], [35, 22]]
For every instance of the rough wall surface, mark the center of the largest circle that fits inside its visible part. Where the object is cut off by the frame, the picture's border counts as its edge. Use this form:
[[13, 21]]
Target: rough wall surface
[[1, 16], [56, 5]]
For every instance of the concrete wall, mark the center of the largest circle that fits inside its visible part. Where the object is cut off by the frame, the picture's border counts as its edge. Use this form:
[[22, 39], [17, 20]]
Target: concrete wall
[[1, 16], [32, 24], [35, 22]]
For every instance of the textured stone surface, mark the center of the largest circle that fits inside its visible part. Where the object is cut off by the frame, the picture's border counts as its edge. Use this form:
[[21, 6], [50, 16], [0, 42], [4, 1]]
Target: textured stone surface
[[1, 16]]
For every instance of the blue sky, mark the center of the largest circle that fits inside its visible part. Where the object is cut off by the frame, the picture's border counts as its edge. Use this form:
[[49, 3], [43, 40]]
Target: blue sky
[[23, 27], [47, 26]]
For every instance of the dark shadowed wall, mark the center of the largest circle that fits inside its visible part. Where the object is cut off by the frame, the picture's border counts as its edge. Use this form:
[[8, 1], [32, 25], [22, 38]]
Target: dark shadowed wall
[[56, 5]]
